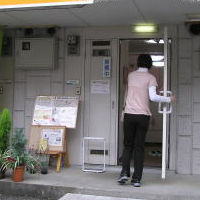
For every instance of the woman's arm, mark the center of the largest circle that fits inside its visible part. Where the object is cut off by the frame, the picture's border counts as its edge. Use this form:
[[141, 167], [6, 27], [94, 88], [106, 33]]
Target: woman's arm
[[157, 98]]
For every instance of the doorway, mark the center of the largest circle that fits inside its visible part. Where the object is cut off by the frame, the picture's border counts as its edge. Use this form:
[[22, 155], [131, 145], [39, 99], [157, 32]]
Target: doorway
[[129, 51]]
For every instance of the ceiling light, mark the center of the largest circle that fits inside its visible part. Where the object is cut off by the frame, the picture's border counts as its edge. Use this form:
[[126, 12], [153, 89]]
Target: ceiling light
[[151, 41], [161, 41], [157, 57], [144, 28], [158, 64]]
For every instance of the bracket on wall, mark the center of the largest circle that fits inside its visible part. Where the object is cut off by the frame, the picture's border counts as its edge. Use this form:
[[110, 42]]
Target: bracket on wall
[[73, 45]]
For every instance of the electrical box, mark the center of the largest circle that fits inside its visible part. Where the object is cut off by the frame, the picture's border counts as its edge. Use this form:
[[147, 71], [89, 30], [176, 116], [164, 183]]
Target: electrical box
[[36, 53]]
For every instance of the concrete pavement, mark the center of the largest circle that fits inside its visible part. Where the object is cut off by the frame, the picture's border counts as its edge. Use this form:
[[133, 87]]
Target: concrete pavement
[[74, 181], [92, 197]]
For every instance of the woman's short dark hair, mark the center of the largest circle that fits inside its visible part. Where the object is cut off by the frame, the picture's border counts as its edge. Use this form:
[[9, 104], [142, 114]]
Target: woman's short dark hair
[[145, 61]]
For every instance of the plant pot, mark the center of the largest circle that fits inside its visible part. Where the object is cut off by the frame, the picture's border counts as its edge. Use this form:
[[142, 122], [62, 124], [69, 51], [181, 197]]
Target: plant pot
[[44, 167], [18, 174], [32, 171], [2, 174]]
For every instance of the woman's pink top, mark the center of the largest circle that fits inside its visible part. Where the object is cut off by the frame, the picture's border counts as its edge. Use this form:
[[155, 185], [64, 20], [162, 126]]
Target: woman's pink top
[[137, 101]]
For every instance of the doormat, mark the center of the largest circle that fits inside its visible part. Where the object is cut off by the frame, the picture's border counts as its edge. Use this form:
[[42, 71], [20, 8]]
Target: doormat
[[156, 153]]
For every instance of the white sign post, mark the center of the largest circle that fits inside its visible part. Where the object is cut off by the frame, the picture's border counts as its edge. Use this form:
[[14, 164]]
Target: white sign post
[[164, 139]]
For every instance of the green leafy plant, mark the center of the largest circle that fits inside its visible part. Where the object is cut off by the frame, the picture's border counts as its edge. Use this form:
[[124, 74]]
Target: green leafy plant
[[17, 155], [43, 158], [5, 127], [18, 146]]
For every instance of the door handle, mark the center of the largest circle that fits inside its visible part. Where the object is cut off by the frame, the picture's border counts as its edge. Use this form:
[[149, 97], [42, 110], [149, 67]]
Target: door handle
[[160, 103], [113, 104]]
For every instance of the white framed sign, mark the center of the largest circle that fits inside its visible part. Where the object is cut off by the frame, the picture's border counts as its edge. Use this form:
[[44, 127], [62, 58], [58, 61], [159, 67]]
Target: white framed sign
[[56, 111]]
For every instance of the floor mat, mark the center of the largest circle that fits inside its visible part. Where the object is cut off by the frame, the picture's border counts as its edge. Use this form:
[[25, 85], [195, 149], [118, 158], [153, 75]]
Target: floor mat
[[153, 157]]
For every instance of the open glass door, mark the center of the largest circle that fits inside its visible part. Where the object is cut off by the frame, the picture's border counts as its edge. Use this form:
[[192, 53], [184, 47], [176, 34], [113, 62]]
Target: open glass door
[[165, 108], [156, 143]]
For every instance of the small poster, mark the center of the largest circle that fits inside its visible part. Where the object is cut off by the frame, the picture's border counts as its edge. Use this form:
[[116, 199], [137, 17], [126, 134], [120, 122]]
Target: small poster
[[54, 136], [43, 147], [43, 110], [100, 87], [65, 112], [56, 111]]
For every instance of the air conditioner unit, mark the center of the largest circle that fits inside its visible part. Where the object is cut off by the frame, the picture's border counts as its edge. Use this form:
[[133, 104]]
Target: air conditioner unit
[[36, 53]]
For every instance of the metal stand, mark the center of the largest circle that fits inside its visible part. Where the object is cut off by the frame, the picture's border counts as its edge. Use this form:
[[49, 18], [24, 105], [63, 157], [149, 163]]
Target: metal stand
[[104, 155]]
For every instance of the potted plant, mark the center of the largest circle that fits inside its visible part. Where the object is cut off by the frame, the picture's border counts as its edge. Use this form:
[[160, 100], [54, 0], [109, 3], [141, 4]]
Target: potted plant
[[17, 158], [5, 127], [44, 161], [42, 154], [43, 157]]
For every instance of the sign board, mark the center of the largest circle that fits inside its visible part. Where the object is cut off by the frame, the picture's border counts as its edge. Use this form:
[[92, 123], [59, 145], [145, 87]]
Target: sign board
[[43, 110], [56, 111], [5, 4], [55, 135]]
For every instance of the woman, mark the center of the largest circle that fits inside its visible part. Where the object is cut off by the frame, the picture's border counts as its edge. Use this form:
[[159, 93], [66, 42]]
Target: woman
[[141, 88]]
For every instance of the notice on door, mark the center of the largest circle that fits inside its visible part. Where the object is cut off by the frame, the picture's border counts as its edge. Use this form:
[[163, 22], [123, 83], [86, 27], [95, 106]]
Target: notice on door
[[100, 87]]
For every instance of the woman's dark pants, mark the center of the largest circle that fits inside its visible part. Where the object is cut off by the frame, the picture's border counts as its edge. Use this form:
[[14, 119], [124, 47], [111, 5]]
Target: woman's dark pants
[[135, 130]]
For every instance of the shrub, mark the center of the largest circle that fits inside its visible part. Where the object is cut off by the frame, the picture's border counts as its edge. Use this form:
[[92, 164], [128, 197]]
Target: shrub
[[5, 127]]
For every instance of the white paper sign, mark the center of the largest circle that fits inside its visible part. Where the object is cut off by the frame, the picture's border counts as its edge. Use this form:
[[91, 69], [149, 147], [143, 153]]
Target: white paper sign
[[100, 86], [43, 110], [54, 136], [56, 111], [65, 112]]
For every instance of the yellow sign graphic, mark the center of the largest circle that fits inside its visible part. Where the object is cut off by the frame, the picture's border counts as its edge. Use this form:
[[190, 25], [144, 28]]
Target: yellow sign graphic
[[39, 3]]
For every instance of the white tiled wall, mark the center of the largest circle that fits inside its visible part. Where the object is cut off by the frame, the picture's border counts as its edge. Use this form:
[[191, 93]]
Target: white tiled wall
[[188, 103], [185, 100], [185, 126], [184, 154], [31, 83]]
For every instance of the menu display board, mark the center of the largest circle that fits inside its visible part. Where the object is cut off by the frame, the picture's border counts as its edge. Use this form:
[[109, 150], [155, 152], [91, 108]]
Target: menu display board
[[54, 136], [56, 111]]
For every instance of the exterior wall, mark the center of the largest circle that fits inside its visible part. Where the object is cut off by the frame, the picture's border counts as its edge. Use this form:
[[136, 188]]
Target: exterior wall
[[6, 81], [188, 149], [6, 78], [74, 69], [185, 80], [30, 83]]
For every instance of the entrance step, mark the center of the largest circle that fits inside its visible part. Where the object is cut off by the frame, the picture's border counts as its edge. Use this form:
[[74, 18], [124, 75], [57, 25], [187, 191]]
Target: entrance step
[[92, 197]]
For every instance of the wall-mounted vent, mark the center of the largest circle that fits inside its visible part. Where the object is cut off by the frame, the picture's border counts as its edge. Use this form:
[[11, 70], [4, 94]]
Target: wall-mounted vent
[[101, 43], [98, 152]]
